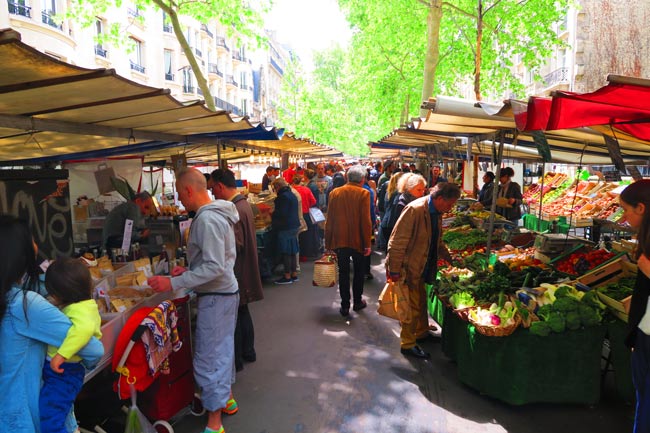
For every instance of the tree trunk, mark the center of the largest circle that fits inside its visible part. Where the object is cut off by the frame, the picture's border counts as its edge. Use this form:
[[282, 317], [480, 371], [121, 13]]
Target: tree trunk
[[477, 59], [433, 50], [189, 53]]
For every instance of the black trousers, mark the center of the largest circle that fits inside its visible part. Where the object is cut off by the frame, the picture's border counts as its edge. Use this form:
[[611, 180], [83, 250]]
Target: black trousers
[[244, 336], [343, 256]]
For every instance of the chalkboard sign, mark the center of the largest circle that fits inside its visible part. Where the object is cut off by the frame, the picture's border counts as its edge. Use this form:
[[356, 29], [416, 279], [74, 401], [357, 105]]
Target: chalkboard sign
[[41, 197]]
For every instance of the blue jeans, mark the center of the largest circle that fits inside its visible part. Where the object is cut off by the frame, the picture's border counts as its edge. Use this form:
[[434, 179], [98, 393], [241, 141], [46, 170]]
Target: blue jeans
[[641, 379], [58, 394], [214, 354], [343, 256]]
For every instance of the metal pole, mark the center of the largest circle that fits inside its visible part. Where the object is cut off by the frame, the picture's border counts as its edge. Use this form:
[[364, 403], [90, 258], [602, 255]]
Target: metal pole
[[495, 191]]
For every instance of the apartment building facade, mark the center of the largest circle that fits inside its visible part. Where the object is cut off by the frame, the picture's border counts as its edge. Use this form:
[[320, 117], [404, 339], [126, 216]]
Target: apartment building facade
[[602, 37], [152, 56]]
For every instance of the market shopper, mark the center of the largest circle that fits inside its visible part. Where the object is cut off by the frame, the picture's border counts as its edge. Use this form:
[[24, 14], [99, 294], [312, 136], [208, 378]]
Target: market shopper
[[211, 254], [635, 201], [134, 210], [509, 196], [413, 252], [347, 232], [223, 186], [435, 176], [307, 240], [410, 186], [485, 194], [268, 177], [28, 324], [70, 285], [285, 223]]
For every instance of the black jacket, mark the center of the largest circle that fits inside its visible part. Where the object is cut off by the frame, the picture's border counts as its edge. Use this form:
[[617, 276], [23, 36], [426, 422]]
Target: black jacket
[[638, 307]]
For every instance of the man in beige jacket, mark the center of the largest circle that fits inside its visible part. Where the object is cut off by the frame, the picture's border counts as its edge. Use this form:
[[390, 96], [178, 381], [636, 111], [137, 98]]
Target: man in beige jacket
[[347, 231], [414, 248]]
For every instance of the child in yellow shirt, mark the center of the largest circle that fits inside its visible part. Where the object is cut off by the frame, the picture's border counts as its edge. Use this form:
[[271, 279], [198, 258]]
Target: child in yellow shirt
[[70, 285]]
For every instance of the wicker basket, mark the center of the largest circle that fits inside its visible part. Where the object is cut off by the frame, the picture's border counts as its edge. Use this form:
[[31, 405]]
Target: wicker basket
[[325, 271], [496, 331]]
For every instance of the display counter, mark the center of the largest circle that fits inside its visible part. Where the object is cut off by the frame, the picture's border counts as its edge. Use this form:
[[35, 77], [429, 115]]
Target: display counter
[[524, 368]]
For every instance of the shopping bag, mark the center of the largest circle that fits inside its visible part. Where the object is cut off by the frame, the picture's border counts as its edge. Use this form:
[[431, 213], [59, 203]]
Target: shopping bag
[[326, 271], [136, 422], [316, 215], [394, 301], [103, 177]]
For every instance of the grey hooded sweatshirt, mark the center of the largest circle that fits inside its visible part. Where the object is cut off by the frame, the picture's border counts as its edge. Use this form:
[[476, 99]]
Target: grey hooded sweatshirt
[[211, 251]]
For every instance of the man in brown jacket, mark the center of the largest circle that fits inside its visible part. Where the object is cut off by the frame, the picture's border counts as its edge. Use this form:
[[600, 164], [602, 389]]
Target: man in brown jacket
[[347, 231], [414, 248], [223, 186]]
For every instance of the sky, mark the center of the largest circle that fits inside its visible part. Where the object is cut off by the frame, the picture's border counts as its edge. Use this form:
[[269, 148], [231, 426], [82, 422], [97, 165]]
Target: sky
[[308, 25]]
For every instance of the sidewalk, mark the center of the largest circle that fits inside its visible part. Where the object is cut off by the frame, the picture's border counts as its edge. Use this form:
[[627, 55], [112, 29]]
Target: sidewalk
[[317, 372]]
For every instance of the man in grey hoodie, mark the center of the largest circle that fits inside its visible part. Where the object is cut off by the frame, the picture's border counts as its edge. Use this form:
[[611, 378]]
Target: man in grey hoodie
[[211, 255]]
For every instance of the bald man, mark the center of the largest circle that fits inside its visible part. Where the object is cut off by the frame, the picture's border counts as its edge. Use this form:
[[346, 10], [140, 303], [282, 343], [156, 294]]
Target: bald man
[[211, 253]]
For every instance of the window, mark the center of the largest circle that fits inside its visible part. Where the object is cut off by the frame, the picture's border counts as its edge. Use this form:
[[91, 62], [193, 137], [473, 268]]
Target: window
[[169, 75], [244, 106], [167, 26], [137, 59], [49, 10], [20, 7], [188, 80], [562, 58], [99, 31]]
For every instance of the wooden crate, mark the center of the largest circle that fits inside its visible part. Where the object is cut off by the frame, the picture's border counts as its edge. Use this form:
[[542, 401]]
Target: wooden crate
[[609, 272]]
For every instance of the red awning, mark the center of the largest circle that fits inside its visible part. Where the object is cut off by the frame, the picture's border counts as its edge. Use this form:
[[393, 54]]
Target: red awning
[[624, 104]]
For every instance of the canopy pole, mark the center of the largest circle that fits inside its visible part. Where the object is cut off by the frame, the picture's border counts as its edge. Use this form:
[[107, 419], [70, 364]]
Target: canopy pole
[[493, 208], [219, 153], [541, 197]]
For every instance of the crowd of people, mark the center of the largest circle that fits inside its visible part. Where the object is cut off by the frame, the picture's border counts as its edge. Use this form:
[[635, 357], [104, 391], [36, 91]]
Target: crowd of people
[[42, 362]]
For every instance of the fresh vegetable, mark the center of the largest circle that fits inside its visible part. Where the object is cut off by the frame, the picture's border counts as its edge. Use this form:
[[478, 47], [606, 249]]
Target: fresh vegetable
[[591, 299], [566, 304], [573, 320], [541, 329], [462, 300], [620, 289], [557, 322], [589, 316], [581, 262]]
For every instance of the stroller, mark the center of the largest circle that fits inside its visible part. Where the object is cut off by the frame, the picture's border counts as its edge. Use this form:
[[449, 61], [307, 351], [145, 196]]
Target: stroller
[[153, 354]]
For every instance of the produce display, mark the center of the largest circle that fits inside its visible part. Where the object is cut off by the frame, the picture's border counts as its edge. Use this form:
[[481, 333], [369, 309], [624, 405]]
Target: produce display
[[582, 201], [620, 289], [582, 261], [570, 309], [462, 239]]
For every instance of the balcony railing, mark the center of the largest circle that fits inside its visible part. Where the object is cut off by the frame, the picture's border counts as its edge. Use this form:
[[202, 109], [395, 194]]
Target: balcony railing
[[188, 89], [198, 52], [207, 31], [136, 67], [167, 28], [236, 55], [221, 42], [18, 9], [558, 76], [101, 52], [213, 68], [227, 106], [169, 77], [46, 17], [231, 81]]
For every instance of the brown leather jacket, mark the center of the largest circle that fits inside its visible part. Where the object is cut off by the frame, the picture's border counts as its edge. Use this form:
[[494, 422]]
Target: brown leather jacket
[[348, 222]]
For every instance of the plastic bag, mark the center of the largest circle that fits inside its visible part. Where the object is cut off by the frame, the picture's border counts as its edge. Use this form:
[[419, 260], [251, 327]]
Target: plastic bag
[[136, 422]]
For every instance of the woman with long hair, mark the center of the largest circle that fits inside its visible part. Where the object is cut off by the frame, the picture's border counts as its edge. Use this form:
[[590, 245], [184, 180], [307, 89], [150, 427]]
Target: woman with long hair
[[28, 324], [635, 201]]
